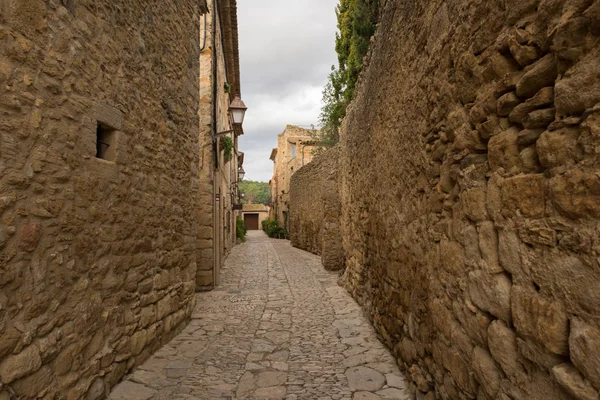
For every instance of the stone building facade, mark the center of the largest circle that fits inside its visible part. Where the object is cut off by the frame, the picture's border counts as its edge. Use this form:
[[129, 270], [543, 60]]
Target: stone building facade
[[219, 84], [295, 147], [315, 209], [470, 191], [253, 215], [98, 157]]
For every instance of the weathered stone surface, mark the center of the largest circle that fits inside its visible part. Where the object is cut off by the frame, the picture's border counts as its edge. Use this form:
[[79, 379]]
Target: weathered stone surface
[[579, 88], [540, 319], [538, 354], [19, 365], [559, 147], [488, 244], [487, 371], [491, 293], [362, 378], [530, 160], [267, 337], [80, 235], [413, 190], [474, 203], [35, 384], [315, 224], [528, 137], [524, 54], [573, 383], [30, 236], [538, 75], [504, 150], [8, 341], [543, 98], [526, 194], [576, 194], [509, 253], [507, 103], [132, 391], [539, 119], [502, 342], [584, 343]]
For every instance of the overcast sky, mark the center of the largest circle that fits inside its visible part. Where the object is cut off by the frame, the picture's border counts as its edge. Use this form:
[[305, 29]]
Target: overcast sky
[[287, 48]]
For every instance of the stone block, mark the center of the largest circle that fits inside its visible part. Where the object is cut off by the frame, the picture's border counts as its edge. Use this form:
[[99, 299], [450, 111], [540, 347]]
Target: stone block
[[525, 193], [474, 203], [527, 137], [19, 365], [540, 319], [452, 257], [507, 103], [503, 150], [502, 342], [543, 98], [579, 88], [488, 245], [8, 341], [524, 54], [573, 383], [584, 343], [108, 115], [147, 316], [530, 160], [541, 74], [459, 370], [491, 293], [487, 372], [30, 236], [539, 119], [35, 384], [576, 194], [138, 342], [536, 353]]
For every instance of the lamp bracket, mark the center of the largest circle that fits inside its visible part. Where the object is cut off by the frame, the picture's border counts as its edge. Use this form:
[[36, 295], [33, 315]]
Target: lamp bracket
[[223, 133]]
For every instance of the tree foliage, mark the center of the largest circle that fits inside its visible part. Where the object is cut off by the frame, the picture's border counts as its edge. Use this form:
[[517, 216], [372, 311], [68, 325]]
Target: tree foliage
[[356, 24], [255, 192]]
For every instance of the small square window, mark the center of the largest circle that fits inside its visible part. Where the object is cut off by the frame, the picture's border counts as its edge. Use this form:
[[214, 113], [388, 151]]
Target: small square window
[[292, 151], [106, 142]]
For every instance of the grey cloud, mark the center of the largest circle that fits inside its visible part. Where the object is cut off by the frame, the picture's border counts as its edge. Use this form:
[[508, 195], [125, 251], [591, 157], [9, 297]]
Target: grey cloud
[[286, 52]]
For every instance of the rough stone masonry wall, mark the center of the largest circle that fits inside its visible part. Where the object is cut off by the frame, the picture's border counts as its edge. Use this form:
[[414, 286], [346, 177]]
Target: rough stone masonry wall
[[315, 209], [97, 261], [471, 195]]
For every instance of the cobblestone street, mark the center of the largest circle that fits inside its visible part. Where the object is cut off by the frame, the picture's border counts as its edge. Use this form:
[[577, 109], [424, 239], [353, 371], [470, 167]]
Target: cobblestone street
[[279, 327]]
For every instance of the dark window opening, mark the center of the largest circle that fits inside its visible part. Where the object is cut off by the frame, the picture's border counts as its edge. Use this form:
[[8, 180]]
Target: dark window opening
[[105, 142]]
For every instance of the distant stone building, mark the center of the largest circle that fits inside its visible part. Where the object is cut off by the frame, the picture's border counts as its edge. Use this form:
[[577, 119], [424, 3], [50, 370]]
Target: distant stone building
[[295, 148], [253, 216], [219, 163]]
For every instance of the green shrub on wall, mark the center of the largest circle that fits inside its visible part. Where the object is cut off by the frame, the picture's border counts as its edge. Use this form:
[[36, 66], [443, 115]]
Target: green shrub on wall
[[240, 229], [272, 228], [227, 147]]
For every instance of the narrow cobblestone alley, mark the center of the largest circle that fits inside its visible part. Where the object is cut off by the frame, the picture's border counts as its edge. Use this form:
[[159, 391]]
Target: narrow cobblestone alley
[[279, 327]]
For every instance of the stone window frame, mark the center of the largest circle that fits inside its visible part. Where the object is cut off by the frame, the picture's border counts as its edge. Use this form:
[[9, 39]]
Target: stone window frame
[[111, 119]]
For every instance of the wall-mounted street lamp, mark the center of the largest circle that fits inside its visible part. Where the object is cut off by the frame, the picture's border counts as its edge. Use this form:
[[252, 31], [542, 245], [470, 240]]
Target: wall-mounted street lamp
[[237, 110], [241, 174]]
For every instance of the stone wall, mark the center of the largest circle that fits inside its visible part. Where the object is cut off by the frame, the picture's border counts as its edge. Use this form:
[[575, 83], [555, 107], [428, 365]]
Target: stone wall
[[315, 209], [97, 263], [285, 165], [471, 195], [216, 218]]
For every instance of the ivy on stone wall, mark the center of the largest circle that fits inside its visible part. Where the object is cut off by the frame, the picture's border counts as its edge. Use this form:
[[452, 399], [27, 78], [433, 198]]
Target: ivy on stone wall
[[357, 20], [227, 147]]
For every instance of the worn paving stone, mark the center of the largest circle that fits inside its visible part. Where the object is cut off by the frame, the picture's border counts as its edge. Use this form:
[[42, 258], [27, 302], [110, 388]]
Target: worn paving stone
[[279, 327]]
